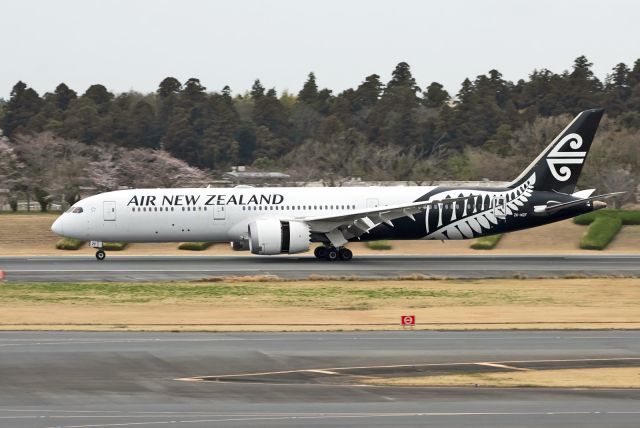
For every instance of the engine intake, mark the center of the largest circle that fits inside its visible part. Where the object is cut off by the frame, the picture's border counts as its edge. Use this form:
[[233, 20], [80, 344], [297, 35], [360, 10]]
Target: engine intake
[[272, 236]]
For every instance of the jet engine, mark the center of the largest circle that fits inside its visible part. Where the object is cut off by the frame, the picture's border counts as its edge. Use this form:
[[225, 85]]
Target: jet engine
[[272, 236]]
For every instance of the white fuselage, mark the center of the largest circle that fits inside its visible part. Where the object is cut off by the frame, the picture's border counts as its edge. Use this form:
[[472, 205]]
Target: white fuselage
[[213, 214]]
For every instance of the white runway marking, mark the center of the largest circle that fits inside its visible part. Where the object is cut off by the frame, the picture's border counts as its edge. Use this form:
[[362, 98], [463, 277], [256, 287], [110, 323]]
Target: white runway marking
[[323, 372], [302, 417], [333, 370], [502, 366]]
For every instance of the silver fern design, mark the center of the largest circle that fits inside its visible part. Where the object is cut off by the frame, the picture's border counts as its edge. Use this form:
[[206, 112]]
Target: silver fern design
[[477, 214]]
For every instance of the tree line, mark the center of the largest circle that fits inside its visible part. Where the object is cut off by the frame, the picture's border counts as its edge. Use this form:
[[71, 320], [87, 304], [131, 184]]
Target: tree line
[[394, 130]]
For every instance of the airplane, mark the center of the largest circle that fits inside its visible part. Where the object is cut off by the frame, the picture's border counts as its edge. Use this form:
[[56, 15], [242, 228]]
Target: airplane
[[287, 220]]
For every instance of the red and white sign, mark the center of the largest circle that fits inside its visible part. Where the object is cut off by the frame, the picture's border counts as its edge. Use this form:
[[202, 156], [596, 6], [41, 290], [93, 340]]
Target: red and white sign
[[408, 320]]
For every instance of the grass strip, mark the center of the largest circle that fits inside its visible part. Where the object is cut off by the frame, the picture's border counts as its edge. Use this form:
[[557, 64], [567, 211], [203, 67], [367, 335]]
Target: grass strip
[[600, 233], [628, 217], [69, 244], [114, 246], [194, 246], [379, 245], [486, 242]]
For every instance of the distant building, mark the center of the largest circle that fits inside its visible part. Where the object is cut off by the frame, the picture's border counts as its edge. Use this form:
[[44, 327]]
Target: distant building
[[239, 175]]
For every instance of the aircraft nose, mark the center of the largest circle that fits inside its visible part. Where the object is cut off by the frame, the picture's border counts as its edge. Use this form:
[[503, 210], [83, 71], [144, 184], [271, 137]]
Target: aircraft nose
[[57, 228]]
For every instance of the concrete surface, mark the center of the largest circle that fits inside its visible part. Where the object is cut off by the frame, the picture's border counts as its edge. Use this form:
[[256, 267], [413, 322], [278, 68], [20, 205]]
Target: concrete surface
[[128, 268], [130, 379]]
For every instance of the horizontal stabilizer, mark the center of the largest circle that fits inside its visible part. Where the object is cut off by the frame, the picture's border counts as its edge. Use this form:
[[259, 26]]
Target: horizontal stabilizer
[[560, 206]]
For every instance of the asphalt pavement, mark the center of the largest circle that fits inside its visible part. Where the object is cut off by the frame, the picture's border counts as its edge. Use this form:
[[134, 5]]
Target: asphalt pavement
[[82, 379], [130, 268]]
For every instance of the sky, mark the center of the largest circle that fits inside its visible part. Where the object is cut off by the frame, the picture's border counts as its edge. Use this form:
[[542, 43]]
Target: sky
[[134, 44]]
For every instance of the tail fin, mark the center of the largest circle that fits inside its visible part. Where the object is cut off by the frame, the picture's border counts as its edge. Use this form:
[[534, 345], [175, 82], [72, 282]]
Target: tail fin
[[558, 167]]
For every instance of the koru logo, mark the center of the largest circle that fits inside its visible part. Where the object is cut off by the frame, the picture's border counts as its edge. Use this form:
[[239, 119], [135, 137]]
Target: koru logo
[[564, 158]]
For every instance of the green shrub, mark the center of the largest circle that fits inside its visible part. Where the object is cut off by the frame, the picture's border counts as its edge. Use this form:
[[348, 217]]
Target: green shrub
[[628, 217], [69, 244], [114, 246], [486, 242], [601, 232], [194, 246], [379, 245]]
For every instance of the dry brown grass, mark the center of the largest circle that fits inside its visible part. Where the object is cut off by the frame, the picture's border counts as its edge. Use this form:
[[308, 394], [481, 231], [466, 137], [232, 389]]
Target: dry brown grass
[[324, 305], [619, 377]]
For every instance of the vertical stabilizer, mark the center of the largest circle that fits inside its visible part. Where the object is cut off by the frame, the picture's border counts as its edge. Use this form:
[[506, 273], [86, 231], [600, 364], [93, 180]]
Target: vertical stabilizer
[[558, 167]]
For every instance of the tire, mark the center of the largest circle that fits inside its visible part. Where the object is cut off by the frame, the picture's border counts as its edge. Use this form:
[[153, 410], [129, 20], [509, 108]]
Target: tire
[[100, 255], [332, 254], [345, 254], [321, 252]]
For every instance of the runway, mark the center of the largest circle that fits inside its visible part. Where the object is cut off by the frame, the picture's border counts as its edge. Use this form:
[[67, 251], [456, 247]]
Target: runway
[[128, 268], [143, 379]]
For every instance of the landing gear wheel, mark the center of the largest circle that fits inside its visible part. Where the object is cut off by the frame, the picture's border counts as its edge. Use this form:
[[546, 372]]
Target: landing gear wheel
[[321, 252], [345, 254], [332, 254], [100, 255]]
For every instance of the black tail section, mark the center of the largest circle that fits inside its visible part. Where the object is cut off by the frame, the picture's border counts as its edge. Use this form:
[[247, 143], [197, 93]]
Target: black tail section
[[558, 167]]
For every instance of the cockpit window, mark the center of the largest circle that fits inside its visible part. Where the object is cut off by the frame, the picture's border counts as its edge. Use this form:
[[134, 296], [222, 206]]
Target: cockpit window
[[75, 210]]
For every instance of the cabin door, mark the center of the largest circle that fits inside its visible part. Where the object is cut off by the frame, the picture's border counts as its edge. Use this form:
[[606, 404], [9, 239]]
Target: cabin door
[[219, 212], [109, 210]]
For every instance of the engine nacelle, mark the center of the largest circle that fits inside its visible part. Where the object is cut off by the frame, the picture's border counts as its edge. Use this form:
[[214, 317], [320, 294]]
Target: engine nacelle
[[272, 236]]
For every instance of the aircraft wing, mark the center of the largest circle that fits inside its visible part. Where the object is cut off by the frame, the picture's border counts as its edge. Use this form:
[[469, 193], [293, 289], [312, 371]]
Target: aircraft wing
[[340, 227], [551, 208]]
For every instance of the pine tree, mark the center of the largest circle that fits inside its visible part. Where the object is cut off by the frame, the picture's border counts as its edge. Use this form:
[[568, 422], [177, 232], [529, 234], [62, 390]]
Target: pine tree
[[64, 96], [257, 90], [368, 93], [435, 96], [309, 92], [100, 96], [402, 77], [23, 105], [169, 86]]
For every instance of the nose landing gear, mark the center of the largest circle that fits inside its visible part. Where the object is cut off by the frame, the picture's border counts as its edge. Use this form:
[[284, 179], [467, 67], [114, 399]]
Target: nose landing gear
[[333, 253], [100, 254]]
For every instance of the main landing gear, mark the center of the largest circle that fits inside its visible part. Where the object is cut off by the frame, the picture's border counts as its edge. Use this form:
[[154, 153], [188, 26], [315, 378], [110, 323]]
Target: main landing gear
[[100, 254], [333, 253]]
